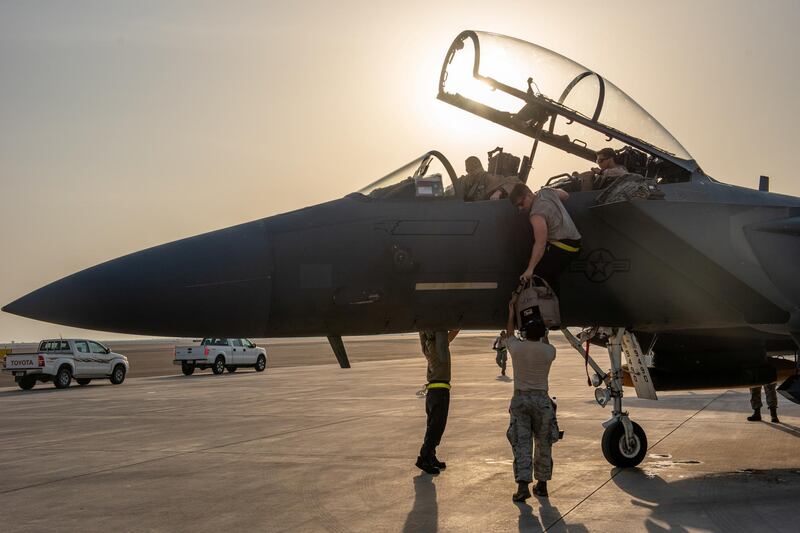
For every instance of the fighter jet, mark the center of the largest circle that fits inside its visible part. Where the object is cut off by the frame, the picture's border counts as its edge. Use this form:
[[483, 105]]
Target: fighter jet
[[702, 274]]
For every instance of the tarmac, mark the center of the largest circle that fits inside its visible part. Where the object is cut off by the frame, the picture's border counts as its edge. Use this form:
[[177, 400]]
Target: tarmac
[[317, 448]]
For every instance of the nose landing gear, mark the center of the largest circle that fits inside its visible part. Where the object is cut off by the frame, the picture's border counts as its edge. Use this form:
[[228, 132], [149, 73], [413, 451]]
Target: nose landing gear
[[624, 442]]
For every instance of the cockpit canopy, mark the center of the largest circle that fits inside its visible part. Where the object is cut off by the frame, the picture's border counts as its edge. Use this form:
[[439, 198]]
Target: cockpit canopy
[[545, 96], [549, 97]]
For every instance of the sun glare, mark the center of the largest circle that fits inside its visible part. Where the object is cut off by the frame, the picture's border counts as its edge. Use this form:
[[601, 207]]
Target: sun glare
[[460, 79]]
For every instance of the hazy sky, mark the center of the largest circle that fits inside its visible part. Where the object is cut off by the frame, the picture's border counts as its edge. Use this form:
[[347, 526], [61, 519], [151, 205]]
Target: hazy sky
[[127, 124]]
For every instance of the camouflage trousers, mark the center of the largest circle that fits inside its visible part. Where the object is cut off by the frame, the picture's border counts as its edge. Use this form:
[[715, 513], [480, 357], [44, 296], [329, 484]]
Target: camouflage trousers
[[769, 392], [531, 435]]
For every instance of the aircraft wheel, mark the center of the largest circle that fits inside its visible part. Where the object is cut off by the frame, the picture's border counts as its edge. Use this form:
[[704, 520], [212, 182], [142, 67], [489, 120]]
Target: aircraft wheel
[[187, 368], [616, 449], [219, 365], [261, 363], [117, 375], [83, 381], [63, 377], [231, 369], [26, 383]]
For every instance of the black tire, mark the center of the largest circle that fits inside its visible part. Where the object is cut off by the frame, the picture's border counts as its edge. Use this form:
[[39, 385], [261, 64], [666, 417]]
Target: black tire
[[231, 369], [615, 449], [117, 375], [261, 363], [187, 368], [83, 381], [219, 365], [63, 377], [26, 382]]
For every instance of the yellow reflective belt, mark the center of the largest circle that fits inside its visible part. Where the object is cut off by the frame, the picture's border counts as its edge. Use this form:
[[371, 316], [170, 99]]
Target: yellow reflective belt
[[439, 386], [566, 247]]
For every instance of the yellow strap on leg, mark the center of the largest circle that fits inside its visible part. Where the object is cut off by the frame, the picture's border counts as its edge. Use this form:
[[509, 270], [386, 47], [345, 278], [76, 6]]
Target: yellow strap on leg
[[438, 386], [565, 247]]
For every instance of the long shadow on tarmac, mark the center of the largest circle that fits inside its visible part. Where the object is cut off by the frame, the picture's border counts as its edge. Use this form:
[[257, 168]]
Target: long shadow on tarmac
[[527, 520], [424, 515], [48, 388], [203, 375], [549, 514], [743, 500], [786, 428]]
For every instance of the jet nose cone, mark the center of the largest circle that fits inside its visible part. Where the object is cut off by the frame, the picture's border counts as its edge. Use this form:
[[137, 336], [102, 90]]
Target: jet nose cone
[[212, 284], [25, 306]]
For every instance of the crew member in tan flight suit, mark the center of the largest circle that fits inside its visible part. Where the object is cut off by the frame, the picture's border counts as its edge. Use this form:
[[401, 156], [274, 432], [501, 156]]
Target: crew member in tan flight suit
[[772, 403], [436, 347]]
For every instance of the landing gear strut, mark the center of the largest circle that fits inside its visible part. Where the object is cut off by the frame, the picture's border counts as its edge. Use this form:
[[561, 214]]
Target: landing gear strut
[[624, 441]]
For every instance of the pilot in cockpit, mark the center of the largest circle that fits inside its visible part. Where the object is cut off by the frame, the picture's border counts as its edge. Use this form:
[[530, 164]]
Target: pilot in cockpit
[[607, 169], [479, 184]]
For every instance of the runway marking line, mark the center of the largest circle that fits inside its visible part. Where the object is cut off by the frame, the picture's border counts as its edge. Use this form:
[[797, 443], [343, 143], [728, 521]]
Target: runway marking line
[[619, 470]]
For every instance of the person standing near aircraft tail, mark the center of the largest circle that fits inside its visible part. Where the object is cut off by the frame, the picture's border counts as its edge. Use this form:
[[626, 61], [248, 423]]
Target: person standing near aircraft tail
[[556, 240], [436, 347], [772, 402], [532, 413]]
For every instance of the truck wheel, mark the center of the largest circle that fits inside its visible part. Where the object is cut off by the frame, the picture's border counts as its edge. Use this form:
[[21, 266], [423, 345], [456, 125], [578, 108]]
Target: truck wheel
[[187, 368], [83, 381], [118, 375], [63, 377], [219, 365], [261, 363], [231, 369], [27, 382]]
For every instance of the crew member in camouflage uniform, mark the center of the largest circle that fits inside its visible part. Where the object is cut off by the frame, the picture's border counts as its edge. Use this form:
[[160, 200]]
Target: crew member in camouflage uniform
[[532, 412], [772, 402], [436, 347]]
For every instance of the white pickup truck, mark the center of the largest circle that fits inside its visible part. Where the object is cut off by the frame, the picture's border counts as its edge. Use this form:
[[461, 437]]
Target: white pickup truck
[[220, 354], [60, 360]]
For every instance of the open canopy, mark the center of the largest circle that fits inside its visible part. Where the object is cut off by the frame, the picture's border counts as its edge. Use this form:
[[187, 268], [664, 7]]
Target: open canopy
[[549, 97]]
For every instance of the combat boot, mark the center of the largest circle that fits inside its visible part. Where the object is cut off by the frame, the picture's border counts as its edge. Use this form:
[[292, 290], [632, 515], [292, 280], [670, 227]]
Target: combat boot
[[441, 465], [540, 489], [522, 493], [773, 411], [755, 417], [426, 466]]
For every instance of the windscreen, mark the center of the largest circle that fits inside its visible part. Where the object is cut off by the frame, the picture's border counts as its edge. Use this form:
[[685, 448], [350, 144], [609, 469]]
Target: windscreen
[[523, 66], [420, 177]]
